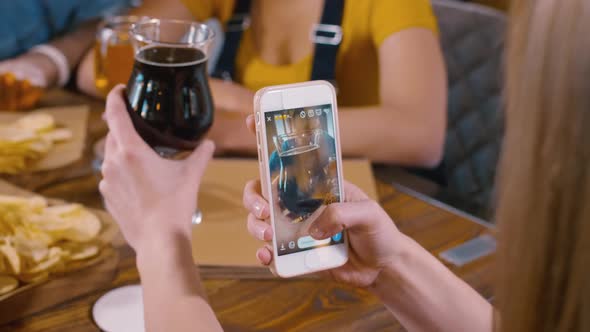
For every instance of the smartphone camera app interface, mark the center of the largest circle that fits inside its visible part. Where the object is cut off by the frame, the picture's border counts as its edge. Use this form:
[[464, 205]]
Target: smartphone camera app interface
[[303, 172]]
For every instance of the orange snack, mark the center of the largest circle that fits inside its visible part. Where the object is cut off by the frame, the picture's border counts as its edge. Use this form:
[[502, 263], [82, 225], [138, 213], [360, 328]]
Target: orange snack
[[17, 94]]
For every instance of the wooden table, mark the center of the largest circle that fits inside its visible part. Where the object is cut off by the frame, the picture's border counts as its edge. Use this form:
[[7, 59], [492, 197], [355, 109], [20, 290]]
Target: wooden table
[[262, 305]]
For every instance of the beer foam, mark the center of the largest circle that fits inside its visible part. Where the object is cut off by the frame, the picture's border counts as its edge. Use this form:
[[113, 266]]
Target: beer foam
[[168, 64]]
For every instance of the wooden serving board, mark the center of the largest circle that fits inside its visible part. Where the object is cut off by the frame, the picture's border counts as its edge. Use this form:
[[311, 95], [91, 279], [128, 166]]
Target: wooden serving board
[[80, 279], [33, 298]]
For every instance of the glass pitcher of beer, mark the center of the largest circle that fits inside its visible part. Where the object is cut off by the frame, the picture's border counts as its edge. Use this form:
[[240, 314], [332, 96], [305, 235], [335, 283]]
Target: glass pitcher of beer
[[113, 52]]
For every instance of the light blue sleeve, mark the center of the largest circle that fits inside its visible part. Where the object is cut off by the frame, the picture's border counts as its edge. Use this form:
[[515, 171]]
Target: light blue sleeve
[[21, 25], [67, 14], [26, 23]]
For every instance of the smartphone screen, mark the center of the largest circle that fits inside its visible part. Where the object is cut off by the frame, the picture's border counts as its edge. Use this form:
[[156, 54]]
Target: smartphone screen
[[304, 171]]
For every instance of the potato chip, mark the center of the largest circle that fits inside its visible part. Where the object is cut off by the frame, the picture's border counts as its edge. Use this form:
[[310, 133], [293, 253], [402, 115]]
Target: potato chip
[[12, 257], [86, 252], [27, 140], [37, 203], [64, 210], [4, 265], [33, 278], [5, 229], [85, 227], [7, 284], [58, 135], [52, 259], [36, 122], [13, 200], [11, 135], [13, 164], [69, 248], [34, 247], [40, 146], [37, 240], [22, 205]]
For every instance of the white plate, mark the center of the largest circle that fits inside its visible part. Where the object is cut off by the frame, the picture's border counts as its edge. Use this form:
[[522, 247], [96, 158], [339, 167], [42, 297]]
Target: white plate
[[120, 310]]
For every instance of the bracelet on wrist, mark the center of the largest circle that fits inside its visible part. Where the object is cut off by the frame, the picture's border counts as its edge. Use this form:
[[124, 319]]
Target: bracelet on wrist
[[58, 58]]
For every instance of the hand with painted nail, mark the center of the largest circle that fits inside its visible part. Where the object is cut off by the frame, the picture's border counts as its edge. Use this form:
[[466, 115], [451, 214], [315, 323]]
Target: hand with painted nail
[[151, 198], [373, 237]]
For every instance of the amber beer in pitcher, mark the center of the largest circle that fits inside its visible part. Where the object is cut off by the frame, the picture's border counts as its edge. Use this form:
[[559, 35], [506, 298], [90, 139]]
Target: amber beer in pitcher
[[113, 52]]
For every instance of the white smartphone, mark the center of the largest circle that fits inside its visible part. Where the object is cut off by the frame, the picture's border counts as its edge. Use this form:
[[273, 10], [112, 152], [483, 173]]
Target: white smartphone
[[300, 172]]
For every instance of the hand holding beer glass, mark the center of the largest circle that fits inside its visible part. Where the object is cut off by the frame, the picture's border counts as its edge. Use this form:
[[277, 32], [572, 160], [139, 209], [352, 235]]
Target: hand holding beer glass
[[171, 108]]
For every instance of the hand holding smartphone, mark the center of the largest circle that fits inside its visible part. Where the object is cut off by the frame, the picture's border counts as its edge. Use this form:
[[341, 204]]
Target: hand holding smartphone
[[301, 172]]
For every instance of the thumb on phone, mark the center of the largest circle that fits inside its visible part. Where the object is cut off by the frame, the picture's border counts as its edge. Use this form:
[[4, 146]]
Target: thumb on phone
[[339, 216]]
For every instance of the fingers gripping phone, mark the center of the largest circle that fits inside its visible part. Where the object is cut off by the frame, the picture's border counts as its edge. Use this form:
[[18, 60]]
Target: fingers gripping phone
[[300, 172]]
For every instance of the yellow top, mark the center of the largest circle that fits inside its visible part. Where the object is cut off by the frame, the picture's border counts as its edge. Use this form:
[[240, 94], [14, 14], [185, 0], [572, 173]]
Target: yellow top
[[365, 25]]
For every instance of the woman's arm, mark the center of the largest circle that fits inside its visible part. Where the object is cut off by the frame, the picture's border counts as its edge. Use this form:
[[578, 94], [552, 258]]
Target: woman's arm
[[407, 128], [174, 299], [76, 43], [426, 296], [154, 214], [40, 68], [420, 291]]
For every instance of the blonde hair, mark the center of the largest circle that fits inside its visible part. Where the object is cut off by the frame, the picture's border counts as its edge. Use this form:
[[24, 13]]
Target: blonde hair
[[544, 185]]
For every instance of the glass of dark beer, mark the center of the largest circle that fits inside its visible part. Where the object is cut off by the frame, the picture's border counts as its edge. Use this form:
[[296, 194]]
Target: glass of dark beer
[[303, 183], [168, 94]]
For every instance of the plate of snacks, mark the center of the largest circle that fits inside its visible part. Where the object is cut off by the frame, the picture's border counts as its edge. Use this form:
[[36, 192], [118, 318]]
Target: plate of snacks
[[51, 251], [40, 240], [41, 140]]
